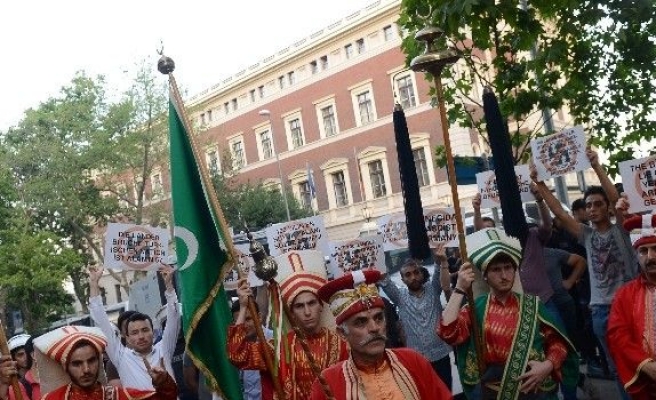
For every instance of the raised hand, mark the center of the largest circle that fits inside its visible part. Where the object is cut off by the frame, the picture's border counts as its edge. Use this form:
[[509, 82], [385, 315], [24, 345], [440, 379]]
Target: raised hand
[[158, 373], [8, 369], [167, 274], [95, 273], [592, 156], [243, 292], [465, 276], [476, 201]]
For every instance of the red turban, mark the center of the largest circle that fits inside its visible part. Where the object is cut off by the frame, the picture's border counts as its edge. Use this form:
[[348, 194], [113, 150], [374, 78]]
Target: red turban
[[352, 293], [645, 227]]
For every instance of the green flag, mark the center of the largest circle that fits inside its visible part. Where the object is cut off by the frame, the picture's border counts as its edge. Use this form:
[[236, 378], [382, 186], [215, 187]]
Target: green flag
[[202, 261]]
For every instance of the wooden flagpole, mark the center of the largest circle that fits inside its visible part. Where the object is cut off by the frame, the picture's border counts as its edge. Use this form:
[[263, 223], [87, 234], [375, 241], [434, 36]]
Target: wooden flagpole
[[434, 61], [166, 66]]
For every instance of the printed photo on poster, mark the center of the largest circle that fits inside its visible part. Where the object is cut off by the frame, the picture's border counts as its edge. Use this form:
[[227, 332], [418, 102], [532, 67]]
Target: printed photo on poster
[[302, 234], [560, 153], [356, 254], [639, 178], [440, 228], [487, 186], [246, 264], [135, 247]]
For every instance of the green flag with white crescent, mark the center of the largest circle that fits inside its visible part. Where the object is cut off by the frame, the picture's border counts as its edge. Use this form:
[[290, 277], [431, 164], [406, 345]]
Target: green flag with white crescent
[[202, 261]]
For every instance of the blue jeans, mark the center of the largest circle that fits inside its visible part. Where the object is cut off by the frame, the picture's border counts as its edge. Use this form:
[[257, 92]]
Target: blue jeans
[[599, 327]]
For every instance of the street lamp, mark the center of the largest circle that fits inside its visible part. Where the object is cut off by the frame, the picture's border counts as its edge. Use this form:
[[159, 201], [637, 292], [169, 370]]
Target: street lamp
[[283, 192]]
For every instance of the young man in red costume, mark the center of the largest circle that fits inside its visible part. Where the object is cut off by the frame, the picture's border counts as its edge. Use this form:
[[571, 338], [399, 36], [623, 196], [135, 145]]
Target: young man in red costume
[[372, 372], [632, 322], [300, 275], [70, 366]]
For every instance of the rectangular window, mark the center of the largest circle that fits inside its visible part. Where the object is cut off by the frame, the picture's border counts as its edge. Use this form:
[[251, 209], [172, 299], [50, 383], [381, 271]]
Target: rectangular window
[[209, 116], [306, 194], [281, 82], [226, 108], [365, 107], [156, 182], [296, 133], [265, 142], [339, 186], [260, 90], [234, 104], [388, 32], [237, 148], [313, 67], [119, 295], [328, 117], [103, 295], [291, 79], [360, 45], [324, 62], [213, 162], [202, 118], [420, 166], [348, 50], [252, 94], [406, 91], [377, 178]]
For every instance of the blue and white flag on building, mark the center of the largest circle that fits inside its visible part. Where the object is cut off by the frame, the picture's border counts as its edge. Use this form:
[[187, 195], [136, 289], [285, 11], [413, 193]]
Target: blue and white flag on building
[[313, 190]]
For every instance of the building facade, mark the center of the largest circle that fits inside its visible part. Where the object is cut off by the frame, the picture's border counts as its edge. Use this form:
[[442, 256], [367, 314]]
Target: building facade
[[317, 116]]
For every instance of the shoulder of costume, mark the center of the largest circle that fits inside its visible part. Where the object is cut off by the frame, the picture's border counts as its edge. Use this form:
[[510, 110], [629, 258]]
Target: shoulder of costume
[[135, 394]]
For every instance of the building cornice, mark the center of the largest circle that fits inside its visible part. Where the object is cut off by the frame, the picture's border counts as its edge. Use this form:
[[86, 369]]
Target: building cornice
[[308, 44]]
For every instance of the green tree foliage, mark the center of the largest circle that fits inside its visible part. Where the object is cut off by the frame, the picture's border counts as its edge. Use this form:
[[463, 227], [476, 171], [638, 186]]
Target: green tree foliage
[[597, 57], [254, 205], [49, 154], [33, 267], [133, 143]]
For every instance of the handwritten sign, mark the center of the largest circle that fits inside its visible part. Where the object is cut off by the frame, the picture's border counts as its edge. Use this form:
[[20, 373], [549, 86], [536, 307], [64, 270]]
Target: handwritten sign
[[302, 234], [487, 186], [353, 255], [246, 264], [560, 153], [135, 247], [639, 178], [440, 227]]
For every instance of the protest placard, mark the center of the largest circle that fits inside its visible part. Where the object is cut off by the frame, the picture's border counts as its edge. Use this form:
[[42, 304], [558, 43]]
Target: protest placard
[[560, 153], [246, 264], [487, 186], [639, 179], [136, 247], [301, 234], [356, 254], [440, 227]]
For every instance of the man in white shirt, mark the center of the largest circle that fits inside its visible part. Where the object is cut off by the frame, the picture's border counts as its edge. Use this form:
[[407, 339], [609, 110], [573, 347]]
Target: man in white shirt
[[128, 358]]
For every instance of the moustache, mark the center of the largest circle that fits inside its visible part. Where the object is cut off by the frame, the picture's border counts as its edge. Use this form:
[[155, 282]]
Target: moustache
[[650, 265], [372, 338]]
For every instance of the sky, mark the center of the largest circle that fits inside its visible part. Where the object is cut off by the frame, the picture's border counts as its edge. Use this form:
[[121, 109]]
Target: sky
[[43, 43]]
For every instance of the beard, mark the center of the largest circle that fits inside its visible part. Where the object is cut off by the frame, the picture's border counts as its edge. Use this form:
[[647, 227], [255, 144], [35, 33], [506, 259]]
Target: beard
[[87, 381]]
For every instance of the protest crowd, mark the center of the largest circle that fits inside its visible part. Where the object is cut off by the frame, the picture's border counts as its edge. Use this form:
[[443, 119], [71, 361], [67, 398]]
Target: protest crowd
[[573, 292]]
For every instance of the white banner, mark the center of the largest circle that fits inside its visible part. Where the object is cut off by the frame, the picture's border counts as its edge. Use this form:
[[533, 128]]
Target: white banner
[[302, 234], [356, 254], [560, 153], [440, 227], [487, 186], [135, 247], [246, 264], [639, 181]]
